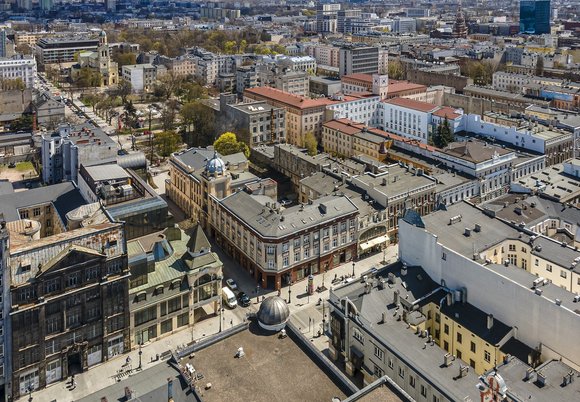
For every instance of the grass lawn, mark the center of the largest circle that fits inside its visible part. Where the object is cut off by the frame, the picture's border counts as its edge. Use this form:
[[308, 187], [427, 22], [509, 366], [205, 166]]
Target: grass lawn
[[24, 166]]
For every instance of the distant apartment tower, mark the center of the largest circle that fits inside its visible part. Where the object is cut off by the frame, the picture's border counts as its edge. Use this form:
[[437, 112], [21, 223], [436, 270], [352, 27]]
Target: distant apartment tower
[[535, 16], [3, 43], [361, 59], [417, 12], [111, 5], [326, 17], [46, 5], [344, 18]]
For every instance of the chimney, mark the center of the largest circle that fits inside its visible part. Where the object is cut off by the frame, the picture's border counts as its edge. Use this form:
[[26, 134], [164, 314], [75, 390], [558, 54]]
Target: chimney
[[489, 321]]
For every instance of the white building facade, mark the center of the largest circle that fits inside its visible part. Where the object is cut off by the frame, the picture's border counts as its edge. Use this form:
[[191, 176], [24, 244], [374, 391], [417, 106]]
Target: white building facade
[[21, 67]]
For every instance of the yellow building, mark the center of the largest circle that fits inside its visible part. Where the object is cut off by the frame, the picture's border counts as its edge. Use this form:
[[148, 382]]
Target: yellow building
[[469, 334]]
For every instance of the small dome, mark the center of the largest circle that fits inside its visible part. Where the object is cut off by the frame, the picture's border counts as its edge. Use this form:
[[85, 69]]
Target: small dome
[[103, 34], [273, 313], [215, 165]]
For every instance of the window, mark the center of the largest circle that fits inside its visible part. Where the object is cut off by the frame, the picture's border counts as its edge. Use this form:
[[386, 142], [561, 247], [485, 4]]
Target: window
[[401, 372], [285, 261], [472, 363], [73, 279], [285, 247], [391, 363], [167, 326], [487, 356], [306, 252], [378, 372], [435, 398], [379, 353], [472, 348], [563, 274], [512, 247], [548, 268], [423, 391], [437, 317], [458, 354], [270, 249], [36, 212], [459, 337], [52, 285], [174, 304], [412, 381], [444, 256], [358, 335], [446, 329], [297, 256], [446, 346]]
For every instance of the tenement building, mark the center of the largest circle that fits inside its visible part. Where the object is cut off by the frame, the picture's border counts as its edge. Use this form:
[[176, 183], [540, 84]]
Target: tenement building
[[68, 281], [174, 278], [279, 246], [506, 270], [427, 338], [198, 173]]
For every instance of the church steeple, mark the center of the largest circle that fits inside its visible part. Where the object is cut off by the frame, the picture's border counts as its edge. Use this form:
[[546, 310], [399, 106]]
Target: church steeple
[[460, 27]]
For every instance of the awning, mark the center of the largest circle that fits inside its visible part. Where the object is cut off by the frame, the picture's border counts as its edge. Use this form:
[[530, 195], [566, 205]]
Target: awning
[[373, 242]]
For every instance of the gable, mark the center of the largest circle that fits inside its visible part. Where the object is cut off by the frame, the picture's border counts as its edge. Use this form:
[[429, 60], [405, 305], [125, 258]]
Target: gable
[[72, 255]]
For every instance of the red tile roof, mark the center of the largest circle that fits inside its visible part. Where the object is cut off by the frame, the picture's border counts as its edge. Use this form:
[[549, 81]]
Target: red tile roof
[[354, 128], [403, 86], [345, 126], [368, 78], [448, 112], [412, 104], [288, 99]]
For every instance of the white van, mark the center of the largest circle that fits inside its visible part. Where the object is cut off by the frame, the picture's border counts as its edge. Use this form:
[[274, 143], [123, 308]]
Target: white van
[[229, 298]]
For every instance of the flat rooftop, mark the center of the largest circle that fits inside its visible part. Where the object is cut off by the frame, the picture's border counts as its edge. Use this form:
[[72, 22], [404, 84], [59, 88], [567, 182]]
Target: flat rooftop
[[273, 369]]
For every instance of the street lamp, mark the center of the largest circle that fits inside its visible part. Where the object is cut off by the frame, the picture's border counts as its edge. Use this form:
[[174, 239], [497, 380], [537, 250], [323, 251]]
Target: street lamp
[[257, 293], [289, 293], [353, 269], [140, 353]]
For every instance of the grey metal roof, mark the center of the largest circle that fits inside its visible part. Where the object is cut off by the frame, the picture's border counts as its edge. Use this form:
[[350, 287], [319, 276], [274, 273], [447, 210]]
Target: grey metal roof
[[273, 311], [64, 196], [493, 231], [107, 172], [401, 341], [271, 223], [515, 371]]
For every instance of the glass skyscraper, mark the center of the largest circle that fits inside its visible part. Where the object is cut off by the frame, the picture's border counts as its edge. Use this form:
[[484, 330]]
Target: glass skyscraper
[[535, 16]]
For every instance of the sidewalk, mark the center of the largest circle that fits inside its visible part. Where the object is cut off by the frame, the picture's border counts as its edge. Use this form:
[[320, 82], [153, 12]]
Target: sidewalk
[[301, 307]]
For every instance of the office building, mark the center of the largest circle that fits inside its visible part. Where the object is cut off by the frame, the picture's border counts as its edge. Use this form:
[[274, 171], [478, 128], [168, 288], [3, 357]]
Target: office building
[[142, 76], [535, 16], [67, 306], [19, 67], [3, 43], [63, 50], [254, 123], [64, 151], [358, 59], [326, 17]]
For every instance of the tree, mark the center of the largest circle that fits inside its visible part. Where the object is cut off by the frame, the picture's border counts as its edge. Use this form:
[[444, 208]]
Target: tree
[[396, 70], [443, 135], [198, 124], [23, 123], [87, 77], [125, 59], [228, 144], [167, 142], [190, 91], [123, 90], [310, 143], [130, 115], [168, 115]]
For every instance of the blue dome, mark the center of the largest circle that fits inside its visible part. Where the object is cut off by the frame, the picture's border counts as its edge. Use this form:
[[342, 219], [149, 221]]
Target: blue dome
[[215, 165]]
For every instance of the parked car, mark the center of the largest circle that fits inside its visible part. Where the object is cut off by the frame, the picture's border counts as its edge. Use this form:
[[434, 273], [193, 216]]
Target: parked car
[[285, 202], [229, 298], [243, 299], [12, 165], [232, 284]]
